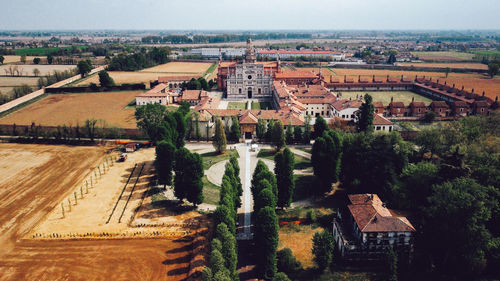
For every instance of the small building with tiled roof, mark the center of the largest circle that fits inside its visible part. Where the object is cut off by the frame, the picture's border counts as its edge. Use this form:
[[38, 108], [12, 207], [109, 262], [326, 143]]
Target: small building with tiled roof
[[366, 228], [380, 123], [441, 108], [346, 109], [397, 108], [417, 108], [159, 94], [193, 97], [460, 108]]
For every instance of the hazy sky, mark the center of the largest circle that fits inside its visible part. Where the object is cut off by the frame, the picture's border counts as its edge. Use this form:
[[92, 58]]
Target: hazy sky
[[249, 14]]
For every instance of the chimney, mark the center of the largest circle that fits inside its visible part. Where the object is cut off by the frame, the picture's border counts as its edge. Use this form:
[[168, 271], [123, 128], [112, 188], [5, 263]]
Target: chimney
[[473, 90], [437, 81], [359, 78], [373, 78], [462, 87], [412, 99], [496, 98], [453, 85], [483, 93], [392, 99], [345, 77], [387, 78], [445, 83], [401, 78]]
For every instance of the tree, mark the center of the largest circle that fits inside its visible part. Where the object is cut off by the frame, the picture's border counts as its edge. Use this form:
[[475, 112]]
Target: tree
[[261, 129], [459, 211], [326, 157], [36, 60], [197, 133], [235, 133], [90, 128], [269, 131], [204, 84], [306, 137], [23, 58], [391, 59], [323, 249], [1, 59], [278, 135], [391, 264], [493, 69], [429, 117], [165, 156], [105, 80], [180, 126], [266, 241], [50, 59], [266, 197], [224, 215], [365, 115], [193, 84], [150, 119], [289, 134], [447, 71], [287, 262], [216, 261], [84, 67], [262, 172], [206, 274], [188, 173], [320, 126], [284, 165], [280, 276], [297, 134], [219, 141], [228, 252], [234, 162], [36, 72]]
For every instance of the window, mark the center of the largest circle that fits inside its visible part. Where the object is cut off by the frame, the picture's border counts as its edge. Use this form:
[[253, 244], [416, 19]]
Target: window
[[259, 91], [239, 91], [378, 128], [249, 77]]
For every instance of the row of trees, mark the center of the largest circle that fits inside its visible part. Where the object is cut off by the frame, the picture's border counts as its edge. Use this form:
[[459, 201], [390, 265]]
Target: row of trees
[[273, 132], [197, 39], [223, 255], [139, 60], [91, 129], [168, 130]]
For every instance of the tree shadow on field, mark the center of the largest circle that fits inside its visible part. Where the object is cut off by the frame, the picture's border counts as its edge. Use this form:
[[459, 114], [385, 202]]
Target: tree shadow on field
[[183, 259]]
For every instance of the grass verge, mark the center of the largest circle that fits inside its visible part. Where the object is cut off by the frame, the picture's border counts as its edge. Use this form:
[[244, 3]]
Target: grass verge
[[211, 158], [210, 192]]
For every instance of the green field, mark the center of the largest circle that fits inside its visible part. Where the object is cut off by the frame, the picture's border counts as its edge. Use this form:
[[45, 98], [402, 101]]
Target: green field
[[385, 97], [43, 51], [459, 56], [237, 105], [261, 105], [488, 53]]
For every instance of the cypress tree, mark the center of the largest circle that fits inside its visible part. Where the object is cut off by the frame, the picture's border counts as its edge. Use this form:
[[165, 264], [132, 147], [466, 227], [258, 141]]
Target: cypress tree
[[165, 156], [235, 129], [219, 141], [365, 115], [278, 135], [284, 166], [266, 238]]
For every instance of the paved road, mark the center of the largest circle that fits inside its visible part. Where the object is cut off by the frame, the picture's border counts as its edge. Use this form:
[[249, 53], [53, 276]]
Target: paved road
[[245, 211]]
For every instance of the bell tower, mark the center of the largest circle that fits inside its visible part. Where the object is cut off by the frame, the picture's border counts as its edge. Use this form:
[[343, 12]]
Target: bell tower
[[250, 52]]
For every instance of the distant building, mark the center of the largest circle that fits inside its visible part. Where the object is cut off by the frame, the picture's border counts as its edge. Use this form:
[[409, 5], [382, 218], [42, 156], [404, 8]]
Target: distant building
[[366, 228], [174, 83], [159, 94], [289, 54]]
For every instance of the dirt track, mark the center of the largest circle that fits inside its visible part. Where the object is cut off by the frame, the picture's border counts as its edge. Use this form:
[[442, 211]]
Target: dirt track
[[33, 179]]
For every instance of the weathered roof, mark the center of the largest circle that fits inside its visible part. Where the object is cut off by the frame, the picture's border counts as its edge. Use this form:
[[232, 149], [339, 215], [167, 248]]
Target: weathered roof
[[371, 215], [380, 120]]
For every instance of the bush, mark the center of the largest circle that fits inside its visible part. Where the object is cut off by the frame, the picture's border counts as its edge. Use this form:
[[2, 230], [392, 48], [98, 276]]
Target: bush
[[287, 262]]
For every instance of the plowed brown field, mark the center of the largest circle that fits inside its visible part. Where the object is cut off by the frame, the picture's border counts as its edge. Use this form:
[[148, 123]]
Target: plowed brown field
[[33, 180]]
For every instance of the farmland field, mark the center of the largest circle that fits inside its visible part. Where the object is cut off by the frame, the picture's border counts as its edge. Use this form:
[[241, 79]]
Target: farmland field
[[444, 56], [27, 69], [34, 178], [444, 65], [43, 51], [385, 97], [17, 81], [122, 77], [13, 59], [180, 67], [70, 109]]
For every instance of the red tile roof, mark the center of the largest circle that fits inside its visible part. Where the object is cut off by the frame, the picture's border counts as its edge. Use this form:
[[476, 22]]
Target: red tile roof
[[371, 215], [380, 120]]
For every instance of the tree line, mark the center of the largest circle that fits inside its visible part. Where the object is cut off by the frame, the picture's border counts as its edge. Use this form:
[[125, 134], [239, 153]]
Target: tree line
[[139, 60], [200, 39], [223, 258]]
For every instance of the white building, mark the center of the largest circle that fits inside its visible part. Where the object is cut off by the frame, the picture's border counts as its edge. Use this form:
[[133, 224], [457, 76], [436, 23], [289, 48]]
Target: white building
[[346, 109], [288, 54], [158, 94], [380, 123], [214, 52]]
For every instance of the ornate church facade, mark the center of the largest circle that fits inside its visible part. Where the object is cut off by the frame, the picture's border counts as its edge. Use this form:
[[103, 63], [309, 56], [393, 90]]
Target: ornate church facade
[[247, 79]]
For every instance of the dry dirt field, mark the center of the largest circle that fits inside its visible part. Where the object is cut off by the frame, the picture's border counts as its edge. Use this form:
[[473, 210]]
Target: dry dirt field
[[11, 59], [479, 82], [121, 77], [17, 81], [70, 109], [299, 240], [450, 65], [36, 179], [180, 67], [27, 70]]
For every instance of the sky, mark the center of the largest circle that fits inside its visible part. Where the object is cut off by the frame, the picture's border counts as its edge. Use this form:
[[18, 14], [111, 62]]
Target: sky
[[249, 14]]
